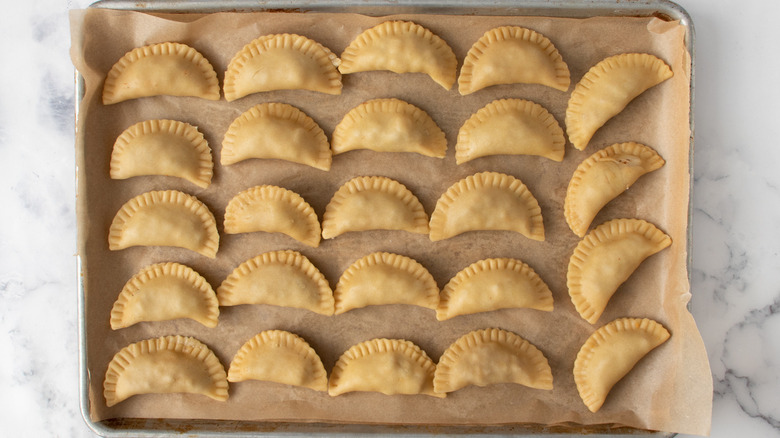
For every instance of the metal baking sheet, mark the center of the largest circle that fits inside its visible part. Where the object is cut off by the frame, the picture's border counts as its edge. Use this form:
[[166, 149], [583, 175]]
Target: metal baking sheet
[[127, 427]]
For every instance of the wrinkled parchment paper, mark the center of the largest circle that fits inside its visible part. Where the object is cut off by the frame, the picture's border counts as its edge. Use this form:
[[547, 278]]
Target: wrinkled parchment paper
[[670, 390]]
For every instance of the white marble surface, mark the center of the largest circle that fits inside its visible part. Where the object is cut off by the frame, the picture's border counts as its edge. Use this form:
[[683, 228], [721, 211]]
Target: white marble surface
[[736, 268]]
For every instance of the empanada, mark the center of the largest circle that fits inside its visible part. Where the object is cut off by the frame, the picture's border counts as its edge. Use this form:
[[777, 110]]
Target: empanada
[[606, 89], [373, 203], [384, 278], [282, 62], [602, 177], [389, 366], [165, 218], [162, 147], [605, 258], [278, 278], [276, 130], [510, 127], [281, 357], [493, 284], [490, 356], [509, 55], [170, 364], [610, 353], [172, 69], [389, 125], [162, 292], [274, 210], [487, 201], [401, 47]]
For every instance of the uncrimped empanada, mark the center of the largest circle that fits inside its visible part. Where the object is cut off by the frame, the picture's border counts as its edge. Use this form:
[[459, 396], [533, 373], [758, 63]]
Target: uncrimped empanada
[[162, 292], [389, 125], [493, 284], [510, 127], [605, 258], [165, 218], [281, 357], [274, 210], [509, 55], [490, 356], [389, 366], [602, 177], [172, 69], [610, 353], [276, 130], [384, 278], [606, 89], [401, 47], [487, 201], [373, 203], [162, 147], [278, 278], [170, 364], [282, 62]]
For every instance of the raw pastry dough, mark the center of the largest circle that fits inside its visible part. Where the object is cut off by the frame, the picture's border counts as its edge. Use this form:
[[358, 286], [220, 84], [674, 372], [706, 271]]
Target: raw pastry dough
[[162, 147], [170, 364], [278, 278], [602, 177], [172, 69], [279, 356], [610, 353], [510, 127], [490, 356], [605, 258], [509, 55], [165, 218], [384, 278], [282, 62], [493, 284], [606, 89], [274, 210], [165, 291], [373, 203], [389, 366], [487, 201], [401, 47], [389, 125], [276, 130]]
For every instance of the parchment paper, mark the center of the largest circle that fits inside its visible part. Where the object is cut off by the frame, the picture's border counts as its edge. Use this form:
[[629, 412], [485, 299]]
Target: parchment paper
[[669, 390]]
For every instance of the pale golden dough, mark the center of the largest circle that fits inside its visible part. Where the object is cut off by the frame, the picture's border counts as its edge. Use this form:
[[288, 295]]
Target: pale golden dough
[[602, 177], [281, 357], [389, 125], [274, 210], [165, 218], [510, 127], [278, 278], [491, 356], [604, 260], [487, 201], [610, 353], [276, 130], [172, 69], [606, 89], [165, 291], [389, 366], [170, 364], [282, 62], [493, 284], [162, 147], [510, 55], [401, 47]]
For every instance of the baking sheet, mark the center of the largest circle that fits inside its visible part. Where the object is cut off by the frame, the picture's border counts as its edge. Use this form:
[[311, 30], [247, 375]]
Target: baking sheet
[[670, 391]]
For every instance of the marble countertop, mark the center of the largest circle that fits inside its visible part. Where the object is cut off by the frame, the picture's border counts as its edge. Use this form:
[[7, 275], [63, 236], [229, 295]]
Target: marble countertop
[[736, 201]]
